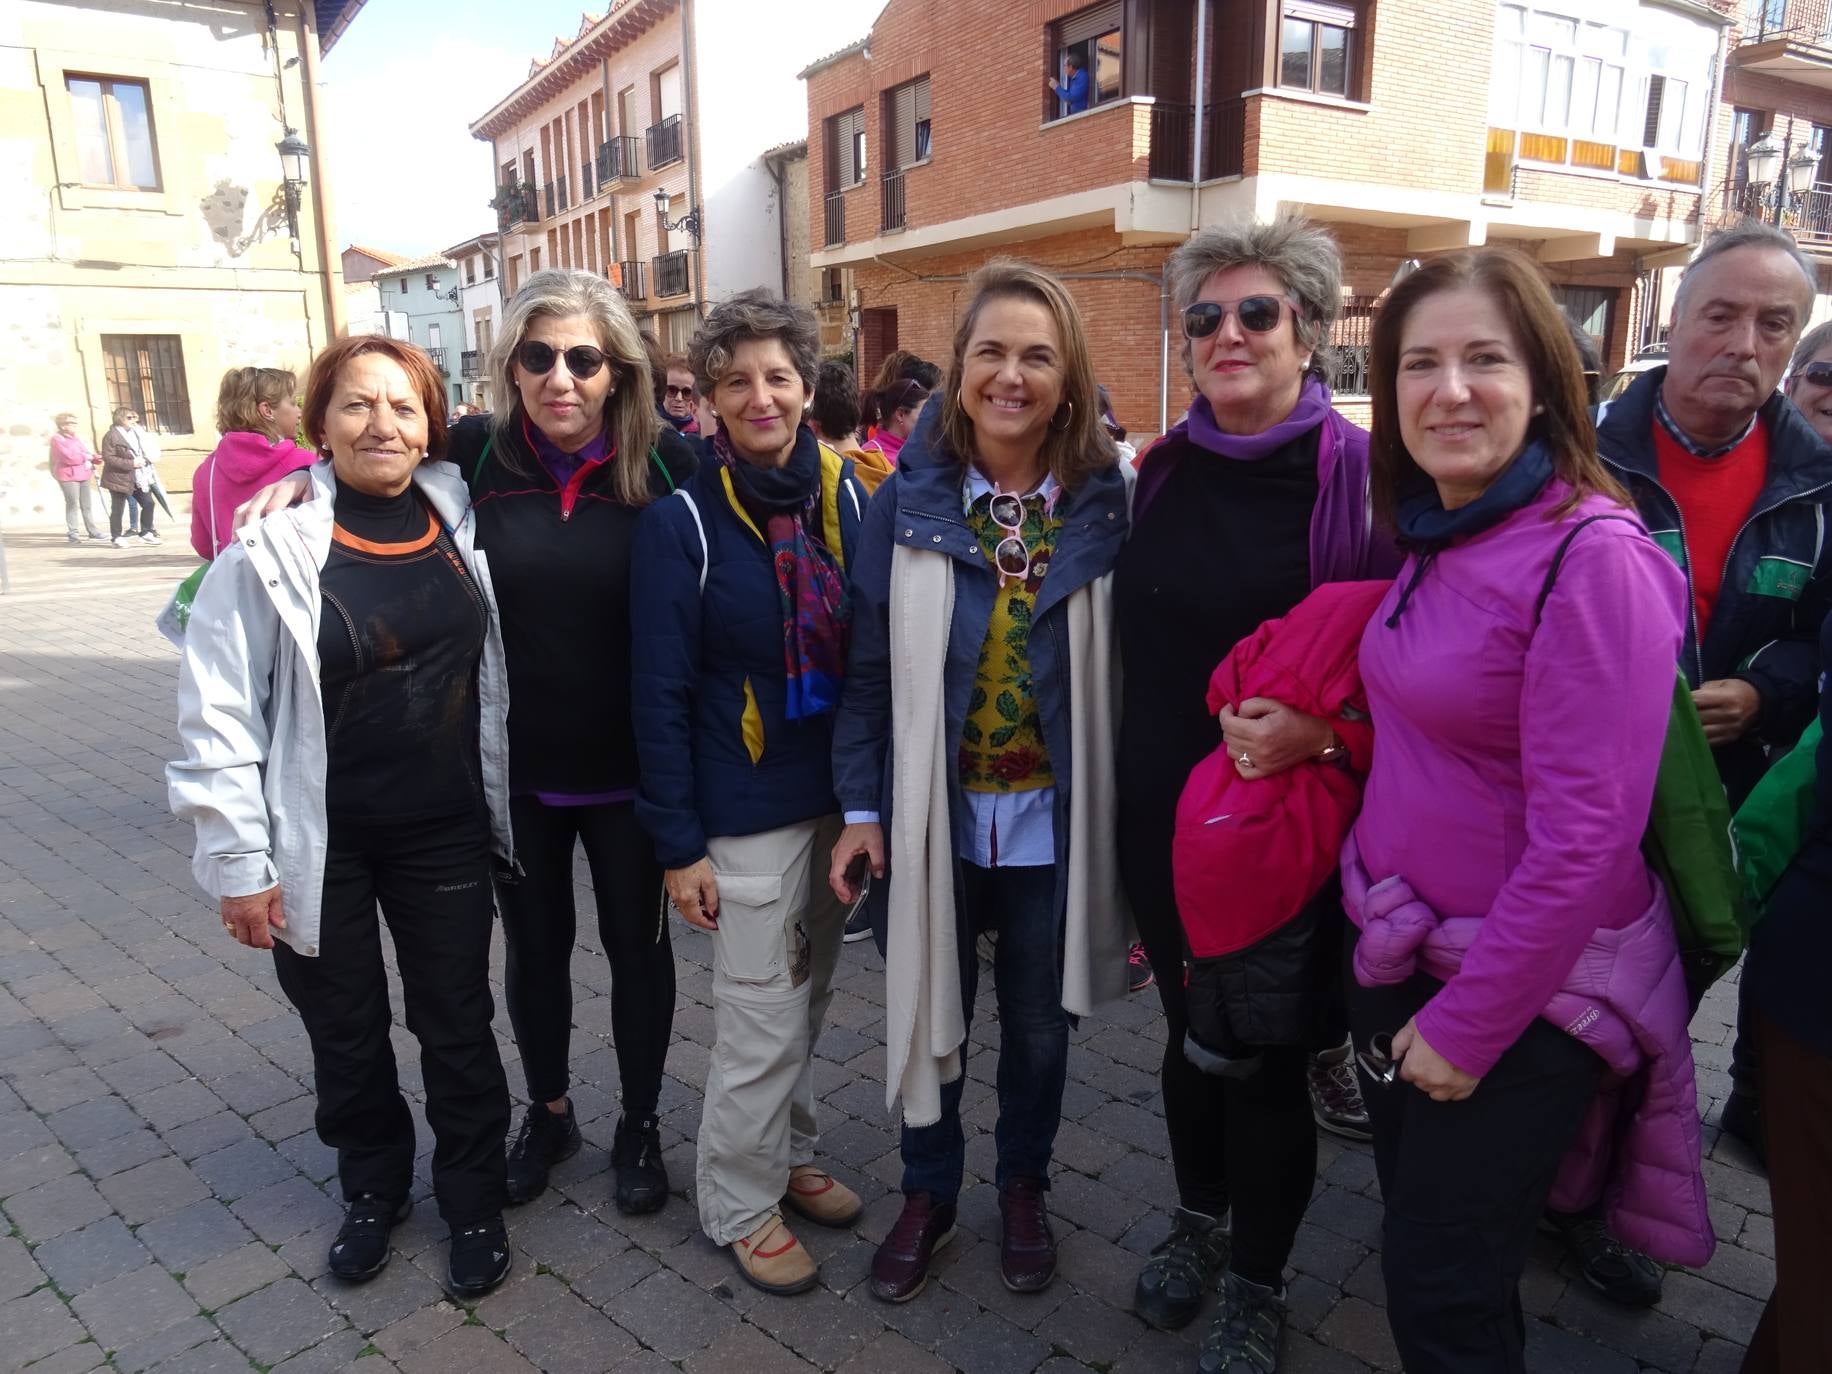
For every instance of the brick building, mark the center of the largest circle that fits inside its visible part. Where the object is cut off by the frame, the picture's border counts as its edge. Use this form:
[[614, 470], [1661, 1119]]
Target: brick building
[[655, 96], [1582, 134]]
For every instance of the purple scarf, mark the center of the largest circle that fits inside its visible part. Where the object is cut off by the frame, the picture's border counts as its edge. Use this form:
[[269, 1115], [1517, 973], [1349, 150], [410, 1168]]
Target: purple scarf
[[1344, 546]]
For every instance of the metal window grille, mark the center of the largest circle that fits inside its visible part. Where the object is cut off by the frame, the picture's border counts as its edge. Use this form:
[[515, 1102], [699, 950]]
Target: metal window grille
[[1347, 356], [146, 373]]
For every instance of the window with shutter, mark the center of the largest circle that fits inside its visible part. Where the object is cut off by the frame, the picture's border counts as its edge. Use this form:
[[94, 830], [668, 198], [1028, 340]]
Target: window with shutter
[[845, 149], [906, 132], [1095, 38]]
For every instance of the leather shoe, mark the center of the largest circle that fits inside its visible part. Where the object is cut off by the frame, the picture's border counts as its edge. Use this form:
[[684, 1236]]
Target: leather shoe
[[360, 1251], [771, 1258], [822, 1198], [901, 1266], [1027, 1249]]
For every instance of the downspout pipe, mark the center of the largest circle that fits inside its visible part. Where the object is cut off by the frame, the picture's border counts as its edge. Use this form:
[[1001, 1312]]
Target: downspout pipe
[[604, 64], [1202, 37], [330, 268], [690, 109], [779, 173]]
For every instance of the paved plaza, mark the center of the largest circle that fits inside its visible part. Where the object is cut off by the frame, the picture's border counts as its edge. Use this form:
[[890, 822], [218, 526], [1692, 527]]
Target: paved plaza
[[168, 1206]]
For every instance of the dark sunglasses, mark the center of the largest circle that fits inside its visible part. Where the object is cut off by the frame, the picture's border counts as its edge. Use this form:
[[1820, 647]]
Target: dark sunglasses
[[680, 392], [1257, 315], [1377, 1060], [1820, 374], [582, 360]]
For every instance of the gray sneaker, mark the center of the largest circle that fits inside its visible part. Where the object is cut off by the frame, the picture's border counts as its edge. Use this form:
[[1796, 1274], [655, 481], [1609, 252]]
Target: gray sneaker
[[1335, 1095]]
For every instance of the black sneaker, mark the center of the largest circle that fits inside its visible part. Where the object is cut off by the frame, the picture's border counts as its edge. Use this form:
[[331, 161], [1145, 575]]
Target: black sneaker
[[480, 1257], [1620, 1274], [858, 926], [544, 1140], [361, 1251], [636, 1156], [1185, 1265], [1741, 1116], [1248, 1330]]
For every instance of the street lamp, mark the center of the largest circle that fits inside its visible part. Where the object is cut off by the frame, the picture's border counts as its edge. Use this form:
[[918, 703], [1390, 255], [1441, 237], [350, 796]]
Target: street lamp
[[1801, 169], [294, 155], [689, 221], [1764, 160]]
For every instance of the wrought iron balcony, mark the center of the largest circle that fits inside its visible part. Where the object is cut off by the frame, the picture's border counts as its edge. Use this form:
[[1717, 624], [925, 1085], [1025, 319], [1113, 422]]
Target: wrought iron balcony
[[836, 218], [617, 159], [632, 274], [671, 274], [470, 363], [438, 357], [893, 200], [552, 209], [1173, 134], [664, 141]]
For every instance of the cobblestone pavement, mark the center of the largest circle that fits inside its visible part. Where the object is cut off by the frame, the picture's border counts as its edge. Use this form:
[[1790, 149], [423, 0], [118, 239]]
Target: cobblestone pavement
[[167, 1201]]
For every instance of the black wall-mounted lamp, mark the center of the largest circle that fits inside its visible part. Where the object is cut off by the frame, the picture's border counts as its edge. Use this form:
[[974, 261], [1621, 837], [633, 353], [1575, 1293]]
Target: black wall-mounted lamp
[[689, 221], [294, 156]]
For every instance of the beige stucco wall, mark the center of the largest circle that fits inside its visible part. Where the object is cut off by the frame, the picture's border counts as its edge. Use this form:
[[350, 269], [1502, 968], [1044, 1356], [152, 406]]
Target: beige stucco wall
[[206, 257]]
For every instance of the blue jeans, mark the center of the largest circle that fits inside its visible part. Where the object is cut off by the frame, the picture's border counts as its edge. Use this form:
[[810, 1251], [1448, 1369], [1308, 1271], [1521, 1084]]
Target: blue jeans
[[1019, 904]]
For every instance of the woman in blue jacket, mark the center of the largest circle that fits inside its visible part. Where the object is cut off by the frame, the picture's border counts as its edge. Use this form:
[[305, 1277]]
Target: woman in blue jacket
[[741, 610]]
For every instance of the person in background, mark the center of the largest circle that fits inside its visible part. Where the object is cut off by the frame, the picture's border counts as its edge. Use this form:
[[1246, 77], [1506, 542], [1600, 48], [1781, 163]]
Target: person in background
[[835, 420], [1733, 482], [675, 391], [1073, 91], [1786, 981], [741, 611], [339, 703], [257, 413], [1115, 430], [1809, 381], [73, 465], [897, 408], [992, 727], [1591, 360], [127, 451], [705, 418], [1258, 496], [1504, 825]]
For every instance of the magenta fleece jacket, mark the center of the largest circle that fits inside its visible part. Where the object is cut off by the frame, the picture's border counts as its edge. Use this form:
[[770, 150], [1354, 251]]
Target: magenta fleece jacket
[[1514, 765], [241, 465]]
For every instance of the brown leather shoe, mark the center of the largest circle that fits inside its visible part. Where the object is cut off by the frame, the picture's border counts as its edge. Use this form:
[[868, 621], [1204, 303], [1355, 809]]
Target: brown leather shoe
[[901, 1266], [772, 1259], [821, 1198], [1027, 1251]]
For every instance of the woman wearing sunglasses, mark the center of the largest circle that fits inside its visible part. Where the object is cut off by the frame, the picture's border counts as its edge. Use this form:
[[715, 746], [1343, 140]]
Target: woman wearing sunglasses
[[1809, 383], [980, 700], [1257, 497], [742, 612], [557, 479], [1509, 938]]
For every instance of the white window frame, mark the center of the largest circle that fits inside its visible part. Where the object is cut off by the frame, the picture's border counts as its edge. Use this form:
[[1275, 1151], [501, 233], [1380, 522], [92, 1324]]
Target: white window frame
[[1587, 63]]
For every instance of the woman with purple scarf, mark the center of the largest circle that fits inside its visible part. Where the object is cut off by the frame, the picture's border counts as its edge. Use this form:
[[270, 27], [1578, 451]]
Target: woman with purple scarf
[[1257, 497], [740, 600]]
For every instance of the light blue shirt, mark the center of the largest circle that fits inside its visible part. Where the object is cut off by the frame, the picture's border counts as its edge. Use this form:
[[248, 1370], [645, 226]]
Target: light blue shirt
[[1019, 828]]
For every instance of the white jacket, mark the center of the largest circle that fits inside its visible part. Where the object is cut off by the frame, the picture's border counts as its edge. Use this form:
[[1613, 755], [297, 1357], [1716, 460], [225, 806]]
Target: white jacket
[[251, 716]]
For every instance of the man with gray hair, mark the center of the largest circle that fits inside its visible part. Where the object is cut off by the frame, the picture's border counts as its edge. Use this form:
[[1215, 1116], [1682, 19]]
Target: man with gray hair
[[1733, 482]]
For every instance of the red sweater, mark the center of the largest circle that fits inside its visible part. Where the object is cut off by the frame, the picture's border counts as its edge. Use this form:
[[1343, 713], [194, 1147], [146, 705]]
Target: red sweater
[[1715, 496]]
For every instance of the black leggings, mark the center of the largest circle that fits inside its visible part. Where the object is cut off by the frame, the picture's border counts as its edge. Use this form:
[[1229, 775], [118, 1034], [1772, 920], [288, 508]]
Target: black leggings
[[539, 926], [1251, 1142], [431, 878]]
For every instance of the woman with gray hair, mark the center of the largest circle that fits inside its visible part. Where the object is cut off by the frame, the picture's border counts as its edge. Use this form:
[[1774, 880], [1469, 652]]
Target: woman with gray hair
[[1257, 497], [741, 607], [1809, 379], [557, 479]]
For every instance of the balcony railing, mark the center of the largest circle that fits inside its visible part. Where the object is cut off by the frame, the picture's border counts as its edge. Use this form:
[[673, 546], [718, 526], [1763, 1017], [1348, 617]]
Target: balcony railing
[[1173, 134], [551, 207], [470, 363], [617, 159], [671, 274], [565, 188], [664, 142], [515, 204], [836, 218], [1807, 216], [632, 275], [893, 200], [438, 357], [586, 189]]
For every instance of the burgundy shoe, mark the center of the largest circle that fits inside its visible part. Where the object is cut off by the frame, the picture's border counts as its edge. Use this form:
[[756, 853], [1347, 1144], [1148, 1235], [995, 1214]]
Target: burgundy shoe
[[901, 1266], [1027, 1253]]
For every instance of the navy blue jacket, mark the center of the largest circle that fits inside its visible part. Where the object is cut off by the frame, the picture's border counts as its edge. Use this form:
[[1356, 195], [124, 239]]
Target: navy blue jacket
[[695, 653], [920, 505], [1777, 582]]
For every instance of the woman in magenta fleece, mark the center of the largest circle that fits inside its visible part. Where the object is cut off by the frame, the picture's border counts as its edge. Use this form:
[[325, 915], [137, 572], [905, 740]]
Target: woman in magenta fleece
[[1514, 762], [257, 413]]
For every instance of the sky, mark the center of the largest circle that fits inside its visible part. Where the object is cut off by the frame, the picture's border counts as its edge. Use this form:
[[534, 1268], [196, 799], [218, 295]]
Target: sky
[[401, 89]]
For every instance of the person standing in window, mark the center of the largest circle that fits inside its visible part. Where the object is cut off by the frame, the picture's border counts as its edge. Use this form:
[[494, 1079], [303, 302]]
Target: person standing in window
[[1073, 91]]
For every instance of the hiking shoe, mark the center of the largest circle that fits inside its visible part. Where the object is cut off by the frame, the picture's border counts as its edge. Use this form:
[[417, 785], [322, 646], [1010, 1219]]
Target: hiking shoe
[[1741, 1116], [771, 1258], [1620, 1274], [636, 1156], [1138, 969], [544, 1140], [858, 926], [901, 1266], [480, 1257], [1027, 1247], [821, 1198], [1248, 1329], [1335, 1094], [1186, 1264], [360, 1251]]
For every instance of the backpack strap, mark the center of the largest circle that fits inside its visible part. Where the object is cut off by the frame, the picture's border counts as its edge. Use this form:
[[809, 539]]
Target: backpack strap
[[488, 444], [700, 526], [662, 468], [1558, 559]]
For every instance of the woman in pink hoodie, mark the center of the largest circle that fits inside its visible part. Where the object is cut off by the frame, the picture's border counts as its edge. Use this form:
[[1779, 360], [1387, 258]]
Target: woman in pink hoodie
[[257, 413], [897, 406], [73, 464]]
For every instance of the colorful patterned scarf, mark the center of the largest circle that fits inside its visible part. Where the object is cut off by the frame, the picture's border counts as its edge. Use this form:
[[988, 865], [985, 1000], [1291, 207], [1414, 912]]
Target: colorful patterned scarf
[[816, 611]]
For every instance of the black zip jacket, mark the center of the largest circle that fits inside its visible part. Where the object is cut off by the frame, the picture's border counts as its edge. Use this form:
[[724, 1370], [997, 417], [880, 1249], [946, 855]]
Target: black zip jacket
[[1777, 583]]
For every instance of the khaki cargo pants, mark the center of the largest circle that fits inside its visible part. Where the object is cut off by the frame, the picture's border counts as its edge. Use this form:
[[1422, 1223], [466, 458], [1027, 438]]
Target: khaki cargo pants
[[779, 935]]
